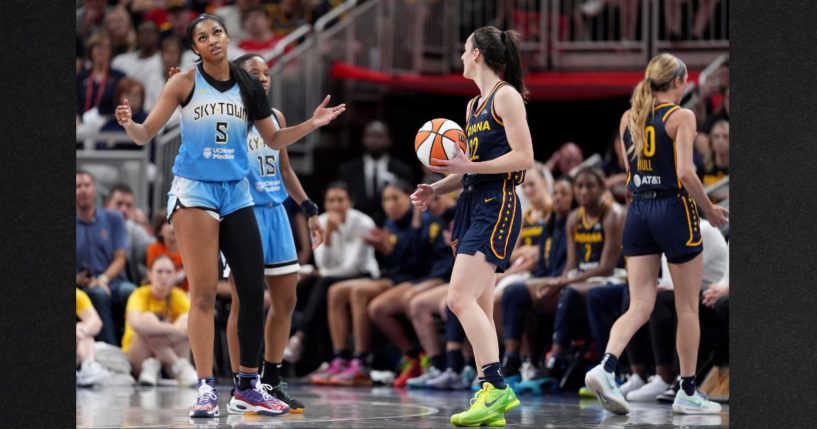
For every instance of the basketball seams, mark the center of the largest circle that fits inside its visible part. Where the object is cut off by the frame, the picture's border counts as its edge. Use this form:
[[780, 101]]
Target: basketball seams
[[437, 139]]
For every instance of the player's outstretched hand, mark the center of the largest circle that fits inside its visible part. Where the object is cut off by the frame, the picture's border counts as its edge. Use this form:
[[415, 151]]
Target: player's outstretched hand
[[422, 197], [324, 115], [456, 165], [718, 216], [316, 232], [123, 113]]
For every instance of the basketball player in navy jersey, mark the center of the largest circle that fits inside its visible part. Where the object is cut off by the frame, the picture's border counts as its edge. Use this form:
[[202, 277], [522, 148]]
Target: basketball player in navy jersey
[[210, 203], [488, 217], [657, 138]]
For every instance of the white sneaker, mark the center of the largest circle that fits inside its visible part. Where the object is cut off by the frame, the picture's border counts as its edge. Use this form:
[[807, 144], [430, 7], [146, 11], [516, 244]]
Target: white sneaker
[[634, 382], [112, 358], [382, 377], [648, 392], [448, 380], [529, 371], [293, 350], [90, 373], [151, 369], [185, 373], [419, 382], [604, 386], [695, 404]]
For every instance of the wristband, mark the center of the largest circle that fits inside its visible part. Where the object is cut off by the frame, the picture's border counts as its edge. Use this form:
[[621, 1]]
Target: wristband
[[103, 279], [309, 208]]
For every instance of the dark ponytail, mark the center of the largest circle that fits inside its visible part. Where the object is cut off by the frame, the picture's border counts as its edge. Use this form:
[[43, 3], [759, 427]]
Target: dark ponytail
[[513, 68], [501, 52], [246, 83]]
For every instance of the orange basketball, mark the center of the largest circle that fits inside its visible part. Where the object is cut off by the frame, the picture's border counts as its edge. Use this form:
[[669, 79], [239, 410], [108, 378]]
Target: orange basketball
[[439, 139]]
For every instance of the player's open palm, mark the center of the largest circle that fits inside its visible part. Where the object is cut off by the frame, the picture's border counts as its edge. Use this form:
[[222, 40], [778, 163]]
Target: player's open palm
[[422, 197], [324, 114]]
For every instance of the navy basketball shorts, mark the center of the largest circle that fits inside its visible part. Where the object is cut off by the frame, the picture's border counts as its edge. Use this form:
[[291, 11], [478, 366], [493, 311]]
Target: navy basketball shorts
[[667, 225], [488, 220]]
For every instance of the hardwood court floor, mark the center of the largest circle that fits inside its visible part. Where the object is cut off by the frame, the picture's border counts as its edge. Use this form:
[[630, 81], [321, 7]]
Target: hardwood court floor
[[378, 407]]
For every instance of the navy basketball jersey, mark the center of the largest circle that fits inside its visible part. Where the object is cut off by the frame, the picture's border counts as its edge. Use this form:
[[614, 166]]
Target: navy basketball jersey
[[214, 129], [553, 250], [588, 237], [266, 185], [654, 170], [487, 139], [533, 228]]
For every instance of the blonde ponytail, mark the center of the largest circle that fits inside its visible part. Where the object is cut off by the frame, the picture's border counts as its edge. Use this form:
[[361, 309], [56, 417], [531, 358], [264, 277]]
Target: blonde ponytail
[[641, 105]]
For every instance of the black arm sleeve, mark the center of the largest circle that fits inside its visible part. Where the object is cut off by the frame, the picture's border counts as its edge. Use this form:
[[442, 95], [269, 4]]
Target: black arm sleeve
[[259, 107]]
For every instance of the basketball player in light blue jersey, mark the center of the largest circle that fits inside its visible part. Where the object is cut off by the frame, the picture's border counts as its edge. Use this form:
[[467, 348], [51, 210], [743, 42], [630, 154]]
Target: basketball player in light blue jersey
[[272, 180], [210, 203]]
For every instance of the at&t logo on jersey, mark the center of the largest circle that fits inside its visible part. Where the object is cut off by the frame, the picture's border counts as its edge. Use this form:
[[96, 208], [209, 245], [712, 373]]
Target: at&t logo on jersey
[[646, 180]]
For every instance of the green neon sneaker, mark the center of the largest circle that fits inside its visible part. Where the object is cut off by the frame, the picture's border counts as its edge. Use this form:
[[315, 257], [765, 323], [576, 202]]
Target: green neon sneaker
[[488, 407]]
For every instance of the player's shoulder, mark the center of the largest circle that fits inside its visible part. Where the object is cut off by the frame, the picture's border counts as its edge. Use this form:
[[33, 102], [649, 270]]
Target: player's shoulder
[[573, 216], [507, 93], [680, 113], [182, 82], [625, 117], [616, 210]]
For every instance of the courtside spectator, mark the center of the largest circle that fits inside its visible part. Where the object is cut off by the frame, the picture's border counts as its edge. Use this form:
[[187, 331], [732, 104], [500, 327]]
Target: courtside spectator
[[102, 245], [121, 199], [166, 245], [90, 371], [368, 175], [343, 256], [565, 159], [156, 329]]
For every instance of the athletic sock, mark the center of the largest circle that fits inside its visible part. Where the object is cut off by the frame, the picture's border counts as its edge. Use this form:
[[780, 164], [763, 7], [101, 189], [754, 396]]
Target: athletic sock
[[688, 384], [455, 360], [235, 378], [609, 362], [438, 361], [271, 373], [244, 379], [493, 375], [209, 380]]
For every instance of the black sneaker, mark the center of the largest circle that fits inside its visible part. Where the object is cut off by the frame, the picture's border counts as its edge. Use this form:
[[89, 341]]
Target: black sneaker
[[669, 395], [280, 392]]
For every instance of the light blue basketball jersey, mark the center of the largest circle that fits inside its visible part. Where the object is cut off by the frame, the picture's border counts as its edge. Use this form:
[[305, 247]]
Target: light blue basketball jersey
[[214, 130], [266, 185]]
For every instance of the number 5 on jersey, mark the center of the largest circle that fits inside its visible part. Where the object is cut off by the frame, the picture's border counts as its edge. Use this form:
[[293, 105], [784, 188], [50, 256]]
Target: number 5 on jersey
[[221, 132]]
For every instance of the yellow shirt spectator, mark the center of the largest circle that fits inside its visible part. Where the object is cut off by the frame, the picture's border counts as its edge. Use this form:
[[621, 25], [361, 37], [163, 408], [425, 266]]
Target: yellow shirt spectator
[[169, 309], [83, 302]]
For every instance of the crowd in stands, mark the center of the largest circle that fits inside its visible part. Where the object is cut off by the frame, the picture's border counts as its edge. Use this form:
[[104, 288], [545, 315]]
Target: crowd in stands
[[371, 300]]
